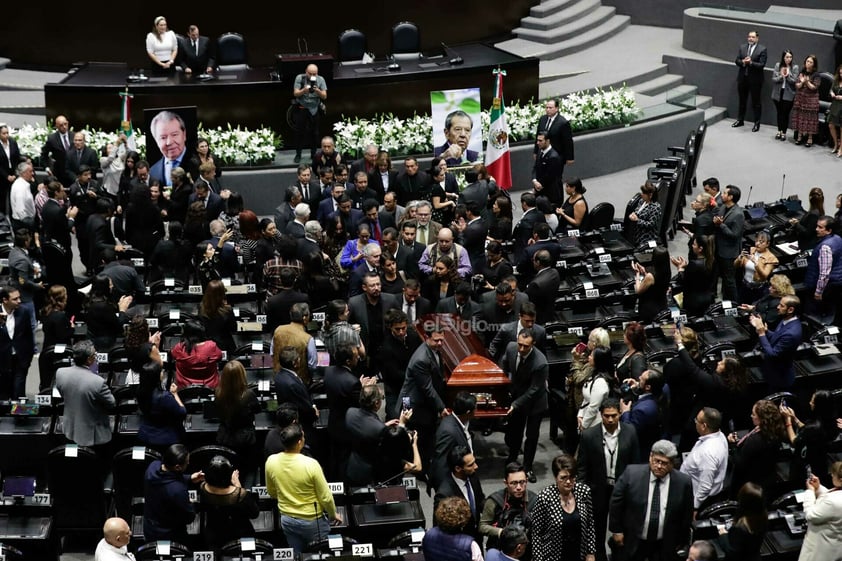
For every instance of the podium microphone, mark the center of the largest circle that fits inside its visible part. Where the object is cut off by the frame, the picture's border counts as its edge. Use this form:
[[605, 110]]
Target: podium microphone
[[455, 60], [385, 482], [751, 187]]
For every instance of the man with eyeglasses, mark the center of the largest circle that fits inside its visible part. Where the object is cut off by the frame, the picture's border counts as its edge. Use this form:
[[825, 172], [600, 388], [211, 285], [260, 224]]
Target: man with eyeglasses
[[506, 508], [708, 460], [651, 508], [426, 229]]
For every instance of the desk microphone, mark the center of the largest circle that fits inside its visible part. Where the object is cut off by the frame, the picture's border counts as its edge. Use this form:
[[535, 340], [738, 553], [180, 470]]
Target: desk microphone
[[455, 60], [783, 181], [394, 65], [385, 482], [749, 196]]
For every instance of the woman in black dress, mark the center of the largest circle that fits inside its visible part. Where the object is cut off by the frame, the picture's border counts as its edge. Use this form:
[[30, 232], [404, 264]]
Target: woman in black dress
[[496, 266], [217, 316], [500, 229], [391, 281], [805, 227], [743, 540], [697, 276], [633, 362], [444, 191], [755, 455], [442, 282], [651, 288], [104, 318], [161, 409], [574, 211], [237, 405], [57, 331], [228, 505]]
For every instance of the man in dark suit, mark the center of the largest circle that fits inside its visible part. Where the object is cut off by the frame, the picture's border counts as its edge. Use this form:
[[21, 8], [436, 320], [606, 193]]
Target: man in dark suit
[[547, 170], [366, 164], [460, 304], [543, 289], [365, 430], [81, 155], [528, 370], [361, 191], [196, 53], [17, 344], [102, 245], [501, 305], [214, 204], [523, 230], [279, 305], [451, 433], [462, 481], [54, 151], [411, 184], [329, 205], [508, 332], [541, 239], [604, 452], [424, 386], [390, 209], [473, 233], [295, 228], [751, 60], [371, 265], [285, 212], [729, 224], [9, 160], [377, 223], [405, 256], [168, 130], [368, 309], [343, 388], [478, 192], [399, 344], [410, 249], [779, 345], [87, 399], [558, 131], [311, 194], [644, 496], [457, 131], [412, 303], [57, 220], [351, 217], [290, 388], [644, 413]]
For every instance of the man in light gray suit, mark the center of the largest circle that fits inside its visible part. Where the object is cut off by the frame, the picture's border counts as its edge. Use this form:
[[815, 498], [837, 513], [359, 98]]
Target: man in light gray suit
[[87, 399]]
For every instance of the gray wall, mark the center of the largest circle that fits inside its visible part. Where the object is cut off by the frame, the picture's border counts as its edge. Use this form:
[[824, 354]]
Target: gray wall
[[597, 153], [669, 13]]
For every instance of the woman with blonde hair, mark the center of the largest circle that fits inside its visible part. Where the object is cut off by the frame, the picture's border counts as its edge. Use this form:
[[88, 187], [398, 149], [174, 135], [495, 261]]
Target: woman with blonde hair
[[757, 265], [162, 47], [767, 305]]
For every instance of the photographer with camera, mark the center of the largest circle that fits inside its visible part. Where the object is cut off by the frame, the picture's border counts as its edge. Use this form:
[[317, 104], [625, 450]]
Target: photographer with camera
[[644, 404], [508, 506], [310, 91]]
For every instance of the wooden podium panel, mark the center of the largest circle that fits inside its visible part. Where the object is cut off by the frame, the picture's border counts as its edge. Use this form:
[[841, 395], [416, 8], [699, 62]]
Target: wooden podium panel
[[467, 366]]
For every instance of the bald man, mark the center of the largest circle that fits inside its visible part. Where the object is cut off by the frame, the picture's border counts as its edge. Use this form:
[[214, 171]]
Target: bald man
[[309, 91], [114, 544], [445, 246]]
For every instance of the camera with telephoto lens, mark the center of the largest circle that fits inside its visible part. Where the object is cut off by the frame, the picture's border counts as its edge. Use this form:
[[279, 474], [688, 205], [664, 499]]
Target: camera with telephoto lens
[[313, 82]]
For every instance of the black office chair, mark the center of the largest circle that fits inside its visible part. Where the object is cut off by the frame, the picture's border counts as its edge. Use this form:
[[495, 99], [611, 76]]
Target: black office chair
[[194, 396], [721, 509], [81, 500], [406, 40], [322, 545], [129, 477], [601, 216], [149, 552], [201, 456], [126, 396], [352, 45], [231, 53]]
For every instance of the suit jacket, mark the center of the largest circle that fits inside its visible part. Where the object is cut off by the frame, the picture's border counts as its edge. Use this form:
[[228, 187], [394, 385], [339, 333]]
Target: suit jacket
[[478, 192], [358, 198], [100, 238], [54, 155], [22, 341], [314, 198], [8, 165], [283, 215], [87, 400], [590, 459], [343, 392], [560, 135], [394, 217], [355, 281], [525, 267], [779, 348], [643, 416], [393, 357], [754, 71], [448, 488], [359, 314], [364, 432], [494, 316], [548, 170], [351, 221], [279, 305], [542, 292], [411, 188], [214, 207], [469, 155], [190, 165], [407, 259], [629, 506], [473, 239], [295, 229], [470, 310], [529, 382], [522, 232], [87, 158], [289, 387], [729, 234], [424, 386], [361, 165], [508, 333], [55, 224], [788, 91], [324, 211], [375, 181], [449, 435], [198, 61]]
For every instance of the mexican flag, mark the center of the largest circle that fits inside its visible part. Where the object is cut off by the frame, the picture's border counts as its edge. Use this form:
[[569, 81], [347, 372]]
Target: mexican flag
[[126, 120], [497, 158]]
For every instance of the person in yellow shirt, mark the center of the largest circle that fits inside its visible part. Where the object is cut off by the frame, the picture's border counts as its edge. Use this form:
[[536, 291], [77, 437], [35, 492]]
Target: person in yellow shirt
[[298, 484]]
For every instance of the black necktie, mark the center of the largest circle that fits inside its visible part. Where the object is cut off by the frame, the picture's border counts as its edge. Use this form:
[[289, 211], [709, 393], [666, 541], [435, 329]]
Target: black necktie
[[654, 511], [306, 192]]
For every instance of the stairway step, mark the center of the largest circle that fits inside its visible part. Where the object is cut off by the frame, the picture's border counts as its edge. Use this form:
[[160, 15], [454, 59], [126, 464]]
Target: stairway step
[[715, 114], [572, 28], [19, 98], [17, 79], [549, 7], [562, 17], [526, 48], [659, 84]]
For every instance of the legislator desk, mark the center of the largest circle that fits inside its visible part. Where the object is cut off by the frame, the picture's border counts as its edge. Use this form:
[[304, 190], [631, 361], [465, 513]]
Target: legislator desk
[[379, 523], [25, 442], [249, 98], [32, 535]]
